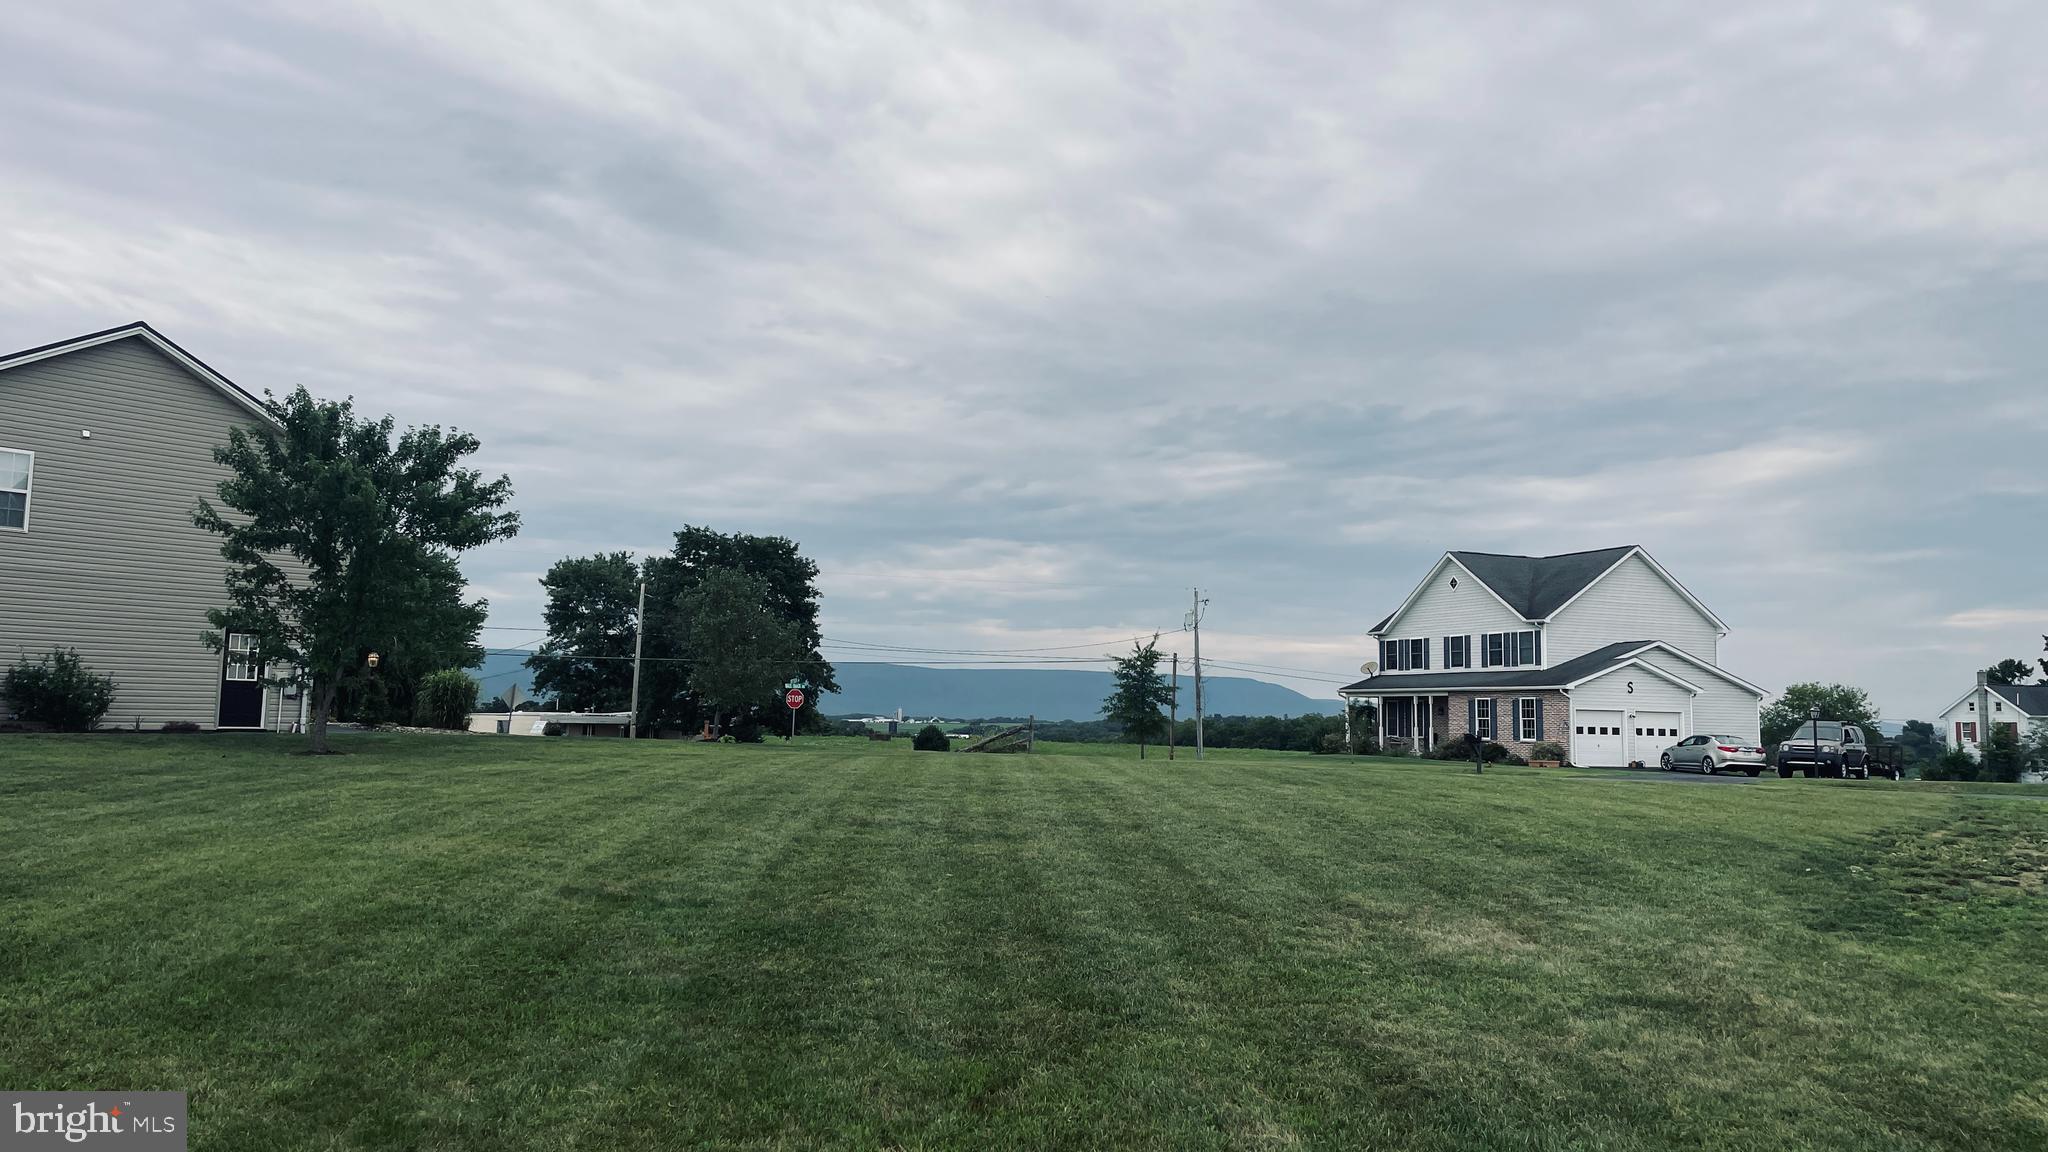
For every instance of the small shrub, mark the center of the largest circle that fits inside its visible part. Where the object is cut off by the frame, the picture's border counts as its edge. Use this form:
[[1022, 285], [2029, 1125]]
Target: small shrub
[[182, 727], [1460, 748], [1548, 750], [59, 691], [553, 728], [1518, 760], [444, 700], [931, 738], [1954, 764], [1332, 744]]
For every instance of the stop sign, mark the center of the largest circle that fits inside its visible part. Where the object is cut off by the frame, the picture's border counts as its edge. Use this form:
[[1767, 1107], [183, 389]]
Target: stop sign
[[794, 698]]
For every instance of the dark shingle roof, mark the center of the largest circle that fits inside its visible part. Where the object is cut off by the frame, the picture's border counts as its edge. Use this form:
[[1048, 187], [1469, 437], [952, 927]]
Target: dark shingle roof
[[1556, 676], [1536, 586], [2029, 698]]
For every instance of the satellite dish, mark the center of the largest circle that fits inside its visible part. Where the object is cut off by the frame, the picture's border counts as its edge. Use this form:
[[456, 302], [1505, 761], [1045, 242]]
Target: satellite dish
[[1370, 667]]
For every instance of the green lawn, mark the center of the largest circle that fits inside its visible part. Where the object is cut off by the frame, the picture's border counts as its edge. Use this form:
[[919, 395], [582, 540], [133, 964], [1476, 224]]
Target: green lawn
[[477, 942]]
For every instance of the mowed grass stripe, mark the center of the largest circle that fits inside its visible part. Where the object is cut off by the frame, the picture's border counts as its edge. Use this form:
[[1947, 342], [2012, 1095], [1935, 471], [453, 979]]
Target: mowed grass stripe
[[462, 942]]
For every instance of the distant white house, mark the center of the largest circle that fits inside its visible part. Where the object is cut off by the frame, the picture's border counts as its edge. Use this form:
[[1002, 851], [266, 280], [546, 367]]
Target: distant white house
[[1603, 653], [535, 723], [1987, 707]]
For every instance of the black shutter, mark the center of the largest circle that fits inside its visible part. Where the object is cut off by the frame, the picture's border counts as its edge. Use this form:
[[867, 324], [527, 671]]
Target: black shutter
[[1472, 716], [1425, 654], [1496, 721], [1539, 718], [1539, 645]]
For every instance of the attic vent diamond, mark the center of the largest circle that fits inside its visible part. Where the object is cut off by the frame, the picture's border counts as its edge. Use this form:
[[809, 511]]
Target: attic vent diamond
[[1454, 582]]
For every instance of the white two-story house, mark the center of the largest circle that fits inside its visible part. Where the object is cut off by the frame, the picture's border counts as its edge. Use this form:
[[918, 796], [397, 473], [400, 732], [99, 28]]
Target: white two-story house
[[1604, 653]]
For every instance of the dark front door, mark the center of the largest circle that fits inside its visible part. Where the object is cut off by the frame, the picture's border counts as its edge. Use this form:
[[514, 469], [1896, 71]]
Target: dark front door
[[241, 684]]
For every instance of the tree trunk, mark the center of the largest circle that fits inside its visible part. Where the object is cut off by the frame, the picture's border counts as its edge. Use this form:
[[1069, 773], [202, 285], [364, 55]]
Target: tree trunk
[[323, 703]]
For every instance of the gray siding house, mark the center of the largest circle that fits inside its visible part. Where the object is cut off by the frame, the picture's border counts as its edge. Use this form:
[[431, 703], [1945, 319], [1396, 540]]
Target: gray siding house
[[106, 448]]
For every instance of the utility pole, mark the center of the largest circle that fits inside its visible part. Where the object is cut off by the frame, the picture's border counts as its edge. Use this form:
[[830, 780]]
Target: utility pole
[[1195, 625], [639, 634], [1173, 707]]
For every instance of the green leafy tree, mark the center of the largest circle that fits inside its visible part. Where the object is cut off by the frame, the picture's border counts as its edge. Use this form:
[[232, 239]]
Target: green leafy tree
[[587, 660], [59, 690], [370, 521], [791, 594], [931, 738], [1781, 720], [592, 604], [442, 636], [2002, 755], [1919, 745], [743, 648], [1138, 694], [2009, 672], [2037, 744]]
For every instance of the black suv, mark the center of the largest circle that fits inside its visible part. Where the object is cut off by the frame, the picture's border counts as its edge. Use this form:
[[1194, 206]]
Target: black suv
[[1827, 748]]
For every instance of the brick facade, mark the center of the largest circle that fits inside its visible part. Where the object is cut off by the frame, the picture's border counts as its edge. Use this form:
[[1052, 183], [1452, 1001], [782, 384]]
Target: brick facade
[[1557, 718]]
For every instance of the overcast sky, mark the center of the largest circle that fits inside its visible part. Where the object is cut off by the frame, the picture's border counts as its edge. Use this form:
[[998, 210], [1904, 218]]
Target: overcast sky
[[1024, 319]]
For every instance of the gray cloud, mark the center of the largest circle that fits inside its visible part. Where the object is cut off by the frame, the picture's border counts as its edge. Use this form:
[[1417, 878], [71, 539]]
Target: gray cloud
[[1108, 302]]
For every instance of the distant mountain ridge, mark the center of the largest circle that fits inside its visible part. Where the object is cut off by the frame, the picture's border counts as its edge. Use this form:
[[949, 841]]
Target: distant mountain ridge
[[972, 693], [1047, 693]]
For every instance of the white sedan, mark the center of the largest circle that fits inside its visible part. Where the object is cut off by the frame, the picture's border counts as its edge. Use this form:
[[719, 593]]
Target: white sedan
[[1714, 755]]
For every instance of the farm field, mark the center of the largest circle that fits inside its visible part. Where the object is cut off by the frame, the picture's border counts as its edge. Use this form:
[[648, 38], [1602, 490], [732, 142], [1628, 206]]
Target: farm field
[[442, 942]]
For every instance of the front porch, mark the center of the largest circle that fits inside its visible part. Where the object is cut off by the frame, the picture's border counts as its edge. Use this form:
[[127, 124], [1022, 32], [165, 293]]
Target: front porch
[[1412, 725]]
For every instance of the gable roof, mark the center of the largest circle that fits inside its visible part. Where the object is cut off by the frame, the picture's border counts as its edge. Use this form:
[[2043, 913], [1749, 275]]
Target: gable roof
[[140, 330], [1538, 587], [2029, 698]]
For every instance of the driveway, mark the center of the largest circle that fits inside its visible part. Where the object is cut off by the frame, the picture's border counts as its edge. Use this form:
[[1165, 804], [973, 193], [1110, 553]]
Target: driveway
[[1634, 776]]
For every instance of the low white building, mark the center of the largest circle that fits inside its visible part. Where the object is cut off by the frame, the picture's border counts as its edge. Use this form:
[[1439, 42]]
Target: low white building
[[535, 723], [1987, 707]]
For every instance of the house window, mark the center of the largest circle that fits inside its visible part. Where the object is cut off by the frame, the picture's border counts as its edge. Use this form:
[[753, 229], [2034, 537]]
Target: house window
[[241, 657], [1966, 732], [1405, 655], [1482, 718], [15, 469], [1527, 730], [1508, 649], [1457, 651]]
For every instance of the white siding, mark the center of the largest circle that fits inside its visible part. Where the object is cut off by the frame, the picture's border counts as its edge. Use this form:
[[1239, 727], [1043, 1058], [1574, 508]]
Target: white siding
[[111, 564], [1652, 693], [1630, 603], [1722, 708], [1440, 610]]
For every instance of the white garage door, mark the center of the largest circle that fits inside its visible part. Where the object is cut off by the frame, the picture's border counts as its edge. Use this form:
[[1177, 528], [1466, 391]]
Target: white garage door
[[1653, 732], [1597, 741]]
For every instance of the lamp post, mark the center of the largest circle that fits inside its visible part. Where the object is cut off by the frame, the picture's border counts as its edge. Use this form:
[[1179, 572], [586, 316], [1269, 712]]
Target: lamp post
[[1813, 714]]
